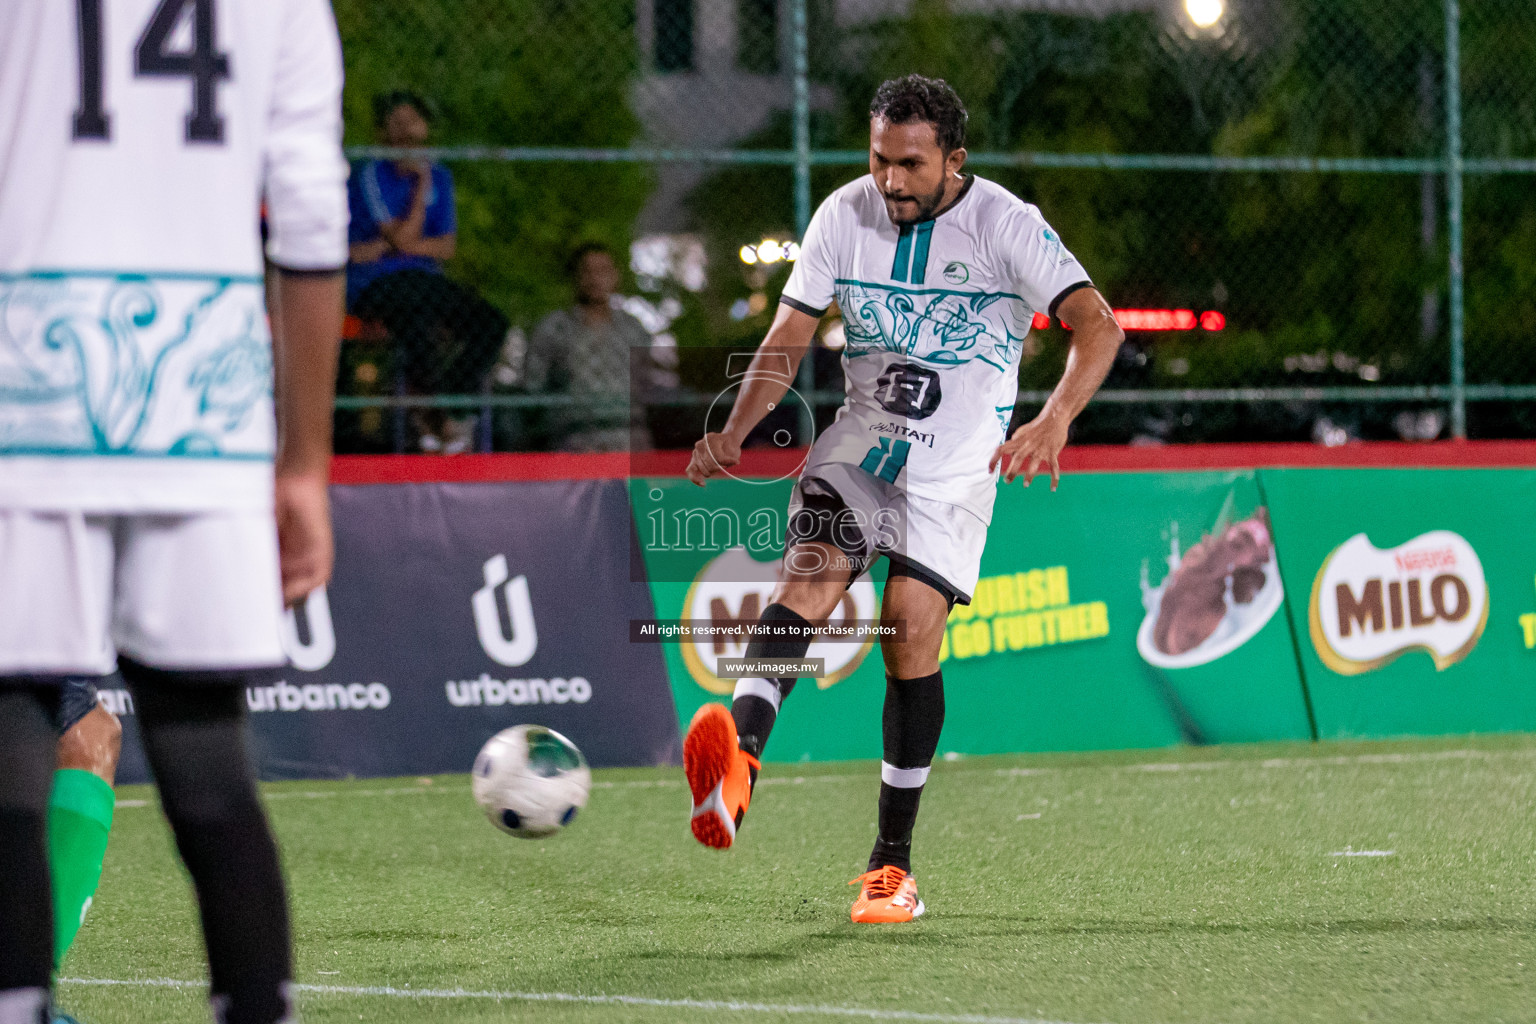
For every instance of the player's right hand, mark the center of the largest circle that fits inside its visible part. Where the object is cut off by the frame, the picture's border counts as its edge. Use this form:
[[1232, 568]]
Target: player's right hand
[[304, 544], [713, 454]]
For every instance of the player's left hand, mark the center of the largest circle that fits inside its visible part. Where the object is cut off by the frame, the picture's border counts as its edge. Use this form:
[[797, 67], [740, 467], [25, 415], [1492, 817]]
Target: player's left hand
[[1038, 441], [304, 543]]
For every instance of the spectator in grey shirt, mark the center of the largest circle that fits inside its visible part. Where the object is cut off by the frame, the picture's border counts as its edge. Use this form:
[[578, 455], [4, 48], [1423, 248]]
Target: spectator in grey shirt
[[592, 352]]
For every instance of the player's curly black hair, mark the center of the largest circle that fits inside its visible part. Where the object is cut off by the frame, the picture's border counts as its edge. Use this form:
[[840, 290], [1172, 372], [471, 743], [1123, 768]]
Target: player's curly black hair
[[916, 98]]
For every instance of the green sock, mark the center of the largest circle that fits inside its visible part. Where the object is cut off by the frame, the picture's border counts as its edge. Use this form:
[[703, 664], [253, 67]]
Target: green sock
[[79, 818]]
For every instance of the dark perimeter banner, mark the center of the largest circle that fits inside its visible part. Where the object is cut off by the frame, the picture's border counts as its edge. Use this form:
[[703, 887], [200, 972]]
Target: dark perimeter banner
[[1135, 609], [455, 611]]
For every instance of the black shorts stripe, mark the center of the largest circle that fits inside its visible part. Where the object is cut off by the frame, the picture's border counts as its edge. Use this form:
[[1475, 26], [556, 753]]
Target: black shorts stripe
[[902, 566]]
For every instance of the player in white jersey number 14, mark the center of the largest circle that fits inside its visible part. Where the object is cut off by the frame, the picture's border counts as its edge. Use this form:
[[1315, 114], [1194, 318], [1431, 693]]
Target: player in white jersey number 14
[[938, 275], [164, 453]]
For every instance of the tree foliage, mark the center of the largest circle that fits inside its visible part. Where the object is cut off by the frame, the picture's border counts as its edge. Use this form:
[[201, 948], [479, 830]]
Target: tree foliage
[[546, 73], [1351, 266]]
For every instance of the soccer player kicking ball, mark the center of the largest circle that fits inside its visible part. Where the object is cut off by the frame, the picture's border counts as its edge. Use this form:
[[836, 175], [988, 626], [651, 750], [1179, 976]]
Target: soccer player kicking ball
[[154, 512], [938, 274]]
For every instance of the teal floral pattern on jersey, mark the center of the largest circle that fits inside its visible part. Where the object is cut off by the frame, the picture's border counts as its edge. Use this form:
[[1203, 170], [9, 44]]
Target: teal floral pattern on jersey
[[232, 379], [134, 365], [934, 326]]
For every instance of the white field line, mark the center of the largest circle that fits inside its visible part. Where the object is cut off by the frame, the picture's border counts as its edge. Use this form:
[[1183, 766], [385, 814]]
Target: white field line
[[799, 780], [706, 1005], [1364, 853], [1289, 762]]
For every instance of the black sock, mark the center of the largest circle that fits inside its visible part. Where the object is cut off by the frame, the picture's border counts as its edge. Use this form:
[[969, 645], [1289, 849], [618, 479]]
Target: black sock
[[26, 940], [27, 751], [910, 727], [194, 734], [755, 706]]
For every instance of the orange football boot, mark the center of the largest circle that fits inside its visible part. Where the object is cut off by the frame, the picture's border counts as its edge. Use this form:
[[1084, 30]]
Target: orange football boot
[[889, 896], [719, 773]]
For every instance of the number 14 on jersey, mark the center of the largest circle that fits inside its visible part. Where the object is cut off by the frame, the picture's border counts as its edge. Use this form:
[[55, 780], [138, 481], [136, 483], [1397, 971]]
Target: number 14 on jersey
[[203, 64]]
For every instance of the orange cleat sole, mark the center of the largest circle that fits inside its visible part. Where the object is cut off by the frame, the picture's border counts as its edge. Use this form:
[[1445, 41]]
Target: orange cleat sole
[[708, 753]]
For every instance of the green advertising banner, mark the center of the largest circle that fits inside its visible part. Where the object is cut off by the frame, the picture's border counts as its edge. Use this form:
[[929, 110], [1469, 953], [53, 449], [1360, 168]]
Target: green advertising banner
[[1125, 610], [1412, 596], [712, 554]]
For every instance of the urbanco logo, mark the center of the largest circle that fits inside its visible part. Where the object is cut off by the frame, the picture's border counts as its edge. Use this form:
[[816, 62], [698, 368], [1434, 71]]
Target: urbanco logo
[[315, 653], [519, 648], [1371, 605], [734, 587]]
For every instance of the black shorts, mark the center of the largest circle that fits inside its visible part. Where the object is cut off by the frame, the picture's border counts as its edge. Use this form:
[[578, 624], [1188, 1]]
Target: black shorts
[[77, 698]]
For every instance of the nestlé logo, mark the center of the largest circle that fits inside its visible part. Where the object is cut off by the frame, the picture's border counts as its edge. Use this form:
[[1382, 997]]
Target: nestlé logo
[[1369, 606]]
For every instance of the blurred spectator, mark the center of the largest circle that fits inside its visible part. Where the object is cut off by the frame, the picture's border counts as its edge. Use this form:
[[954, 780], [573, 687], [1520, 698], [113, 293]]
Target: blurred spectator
[[403, 215], [442, 338], [592, 352]]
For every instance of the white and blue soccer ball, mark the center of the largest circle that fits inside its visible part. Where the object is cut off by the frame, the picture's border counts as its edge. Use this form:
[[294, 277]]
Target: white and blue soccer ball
[[531, 781]]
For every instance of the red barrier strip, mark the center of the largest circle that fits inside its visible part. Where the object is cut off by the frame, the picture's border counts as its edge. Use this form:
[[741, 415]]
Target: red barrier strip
[[1364, 455], [416, 469], [407, 469]]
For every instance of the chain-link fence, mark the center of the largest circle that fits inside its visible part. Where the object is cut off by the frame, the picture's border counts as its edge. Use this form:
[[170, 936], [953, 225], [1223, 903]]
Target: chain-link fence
[[1319, 216]]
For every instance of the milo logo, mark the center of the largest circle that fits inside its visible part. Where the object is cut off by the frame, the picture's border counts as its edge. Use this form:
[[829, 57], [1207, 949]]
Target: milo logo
[[1370, 605], [732, 590]]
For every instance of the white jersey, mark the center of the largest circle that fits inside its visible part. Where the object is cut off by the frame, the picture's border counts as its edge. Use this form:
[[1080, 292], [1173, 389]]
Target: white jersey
[[935, 314], [138, 139]]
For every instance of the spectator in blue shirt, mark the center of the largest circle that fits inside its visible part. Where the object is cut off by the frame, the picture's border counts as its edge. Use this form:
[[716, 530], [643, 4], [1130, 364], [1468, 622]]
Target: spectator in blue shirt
[[402, 210], [442, 337]]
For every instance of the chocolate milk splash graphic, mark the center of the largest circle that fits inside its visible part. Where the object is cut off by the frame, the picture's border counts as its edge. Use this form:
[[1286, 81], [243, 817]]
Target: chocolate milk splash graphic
[[1214, 597]]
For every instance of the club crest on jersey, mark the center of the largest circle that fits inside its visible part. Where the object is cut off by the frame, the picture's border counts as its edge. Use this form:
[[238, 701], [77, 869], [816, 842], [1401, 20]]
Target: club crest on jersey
[[957, 272]]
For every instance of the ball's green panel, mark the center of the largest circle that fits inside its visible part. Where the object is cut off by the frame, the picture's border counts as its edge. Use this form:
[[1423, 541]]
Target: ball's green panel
[[550, 754]]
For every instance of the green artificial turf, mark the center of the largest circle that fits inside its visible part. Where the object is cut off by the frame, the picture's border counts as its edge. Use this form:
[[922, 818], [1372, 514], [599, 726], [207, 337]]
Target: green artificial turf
[[1168, 886]]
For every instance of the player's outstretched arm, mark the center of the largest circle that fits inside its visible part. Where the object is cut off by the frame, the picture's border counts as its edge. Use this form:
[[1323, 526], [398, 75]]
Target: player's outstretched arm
[[768, 378], [306, 335], [1096, 337]]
